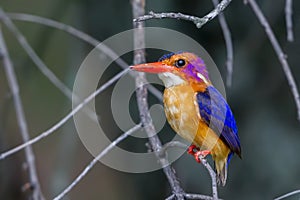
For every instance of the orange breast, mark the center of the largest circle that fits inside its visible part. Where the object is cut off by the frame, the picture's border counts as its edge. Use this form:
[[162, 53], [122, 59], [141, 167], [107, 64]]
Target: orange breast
[[181, 110], [182, 113]]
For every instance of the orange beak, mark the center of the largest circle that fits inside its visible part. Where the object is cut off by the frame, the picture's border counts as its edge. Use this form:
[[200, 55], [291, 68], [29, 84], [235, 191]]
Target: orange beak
[[155, 67]]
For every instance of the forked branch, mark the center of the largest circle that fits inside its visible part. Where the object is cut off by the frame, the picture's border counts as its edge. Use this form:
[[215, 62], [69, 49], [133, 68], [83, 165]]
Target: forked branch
[[281, 56], [198, 21]]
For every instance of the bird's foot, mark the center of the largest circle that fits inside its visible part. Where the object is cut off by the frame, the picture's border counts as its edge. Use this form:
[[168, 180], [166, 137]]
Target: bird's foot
[[201, 154], [195, 151]]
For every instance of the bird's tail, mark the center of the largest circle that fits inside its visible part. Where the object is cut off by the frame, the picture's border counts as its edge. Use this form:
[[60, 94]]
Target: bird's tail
[[221, 171], [221, 165]]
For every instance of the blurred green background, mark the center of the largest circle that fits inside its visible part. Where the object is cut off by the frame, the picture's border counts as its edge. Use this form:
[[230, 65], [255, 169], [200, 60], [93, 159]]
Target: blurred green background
[[260, 98]]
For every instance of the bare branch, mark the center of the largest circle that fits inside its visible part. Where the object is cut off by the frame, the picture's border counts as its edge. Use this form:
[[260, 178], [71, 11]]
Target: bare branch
[[288, 195], [199, 196], [199, 22], [14, 87], [96, 159], [212, 174], [138, 8], [281, 56], [71, 30], [83, 36], [228, 43], [193, 196], [172, 15], [65, 119], [288, 20], [170, 197]]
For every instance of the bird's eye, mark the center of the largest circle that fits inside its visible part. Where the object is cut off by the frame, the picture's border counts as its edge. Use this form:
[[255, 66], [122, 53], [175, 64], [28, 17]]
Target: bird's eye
[[180, 63]]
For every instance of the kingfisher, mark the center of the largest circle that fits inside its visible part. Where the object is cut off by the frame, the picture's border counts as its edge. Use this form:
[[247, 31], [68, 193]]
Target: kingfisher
[[196, 110]]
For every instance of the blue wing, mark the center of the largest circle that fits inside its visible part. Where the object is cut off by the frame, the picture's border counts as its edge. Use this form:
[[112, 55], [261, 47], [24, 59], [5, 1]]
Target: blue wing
[[217, 114]]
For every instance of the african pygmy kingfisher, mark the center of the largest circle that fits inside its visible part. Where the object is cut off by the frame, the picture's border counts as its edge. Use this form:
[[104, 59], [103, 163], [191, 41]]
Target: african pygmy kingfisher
[[195, 109]]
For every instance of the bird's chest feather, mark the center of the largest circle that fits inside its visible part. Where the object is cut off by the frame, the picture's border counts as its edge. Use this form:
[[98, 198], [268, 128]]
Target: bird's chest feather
[[182, 110]]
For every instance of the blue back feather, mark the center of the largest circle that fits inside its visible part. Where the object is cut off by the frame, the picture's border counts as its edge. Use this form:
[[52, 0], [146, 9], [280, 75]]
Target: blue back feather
[[217, 114]]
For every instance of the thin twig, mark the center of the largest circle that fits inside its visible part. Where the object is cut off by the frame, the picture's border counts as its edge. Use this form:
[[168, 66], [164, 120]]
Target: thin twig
[[288, 20], [212, 174], [14, 87], [199, 196], [171, 197], [193, 196], [72, 31], [279, 52], [228, 43], [138, 9], [65, 119], [80, 35], [172, 15], [96, 159], [199, 22], [288, 195]]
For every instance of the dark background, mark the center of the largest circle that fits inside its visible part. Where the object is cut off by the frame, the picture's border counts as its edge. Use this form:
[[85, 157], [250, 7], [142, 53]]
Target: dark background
[[260, 98]]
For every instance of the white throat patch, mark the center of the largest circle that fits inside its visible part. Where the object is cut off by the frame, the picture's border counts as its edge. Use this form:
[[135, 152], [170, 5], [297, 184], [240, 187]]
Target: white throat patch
[[170, 79]]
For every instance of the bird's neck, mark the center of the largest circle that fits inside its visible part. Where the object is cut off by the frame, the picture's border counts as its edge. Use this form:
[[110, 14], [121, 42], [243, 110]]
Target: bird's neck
[[170, 79]]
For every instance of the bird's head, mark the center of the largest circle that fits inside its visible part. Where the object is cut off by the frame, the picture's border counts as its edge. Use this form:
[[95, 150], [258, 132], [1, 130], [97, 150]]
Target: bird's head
[[178, 68]]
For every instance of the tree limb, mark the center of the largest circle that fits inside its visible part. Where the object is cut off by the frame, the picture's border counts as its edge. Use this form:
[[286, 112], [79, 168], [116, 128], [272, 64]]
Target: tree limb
[[141, 94], [228, 43], [288, 195], [288, 20], [13, 84]]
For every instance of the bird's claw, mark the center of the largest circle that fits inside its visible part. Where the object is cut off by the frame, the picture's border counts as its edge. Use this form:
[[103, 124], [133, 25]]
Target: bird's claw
[[201, 154], [195, 151]]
